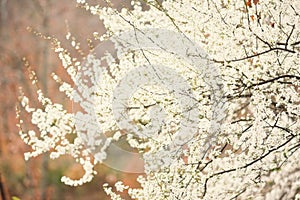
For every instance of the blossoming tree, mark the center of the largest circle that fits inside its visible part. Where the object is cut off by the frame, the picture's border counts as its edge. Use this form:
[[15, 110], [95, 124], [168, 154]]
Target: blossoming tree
[[206, 93]]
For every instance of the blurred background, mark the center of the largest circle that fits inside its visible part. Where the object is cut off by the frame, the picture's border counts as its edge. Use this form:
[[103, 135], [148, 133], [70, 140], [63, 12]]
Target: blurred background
[[39, 178]]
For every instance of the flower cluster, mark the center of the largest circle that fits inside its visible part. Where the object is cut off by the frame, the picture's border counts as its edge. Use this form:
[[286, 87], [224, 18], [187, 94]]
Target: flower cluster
[[247, 124]]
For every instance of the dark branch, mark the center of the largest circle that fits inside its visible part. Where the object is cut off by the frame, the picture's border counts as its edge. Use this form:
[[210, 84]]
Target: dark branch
[[248, 164]]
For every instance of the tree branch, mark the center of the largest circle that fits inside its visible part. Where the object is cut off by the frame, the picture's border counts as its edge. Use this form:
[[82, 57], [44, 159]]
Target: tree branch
[[246, 165]]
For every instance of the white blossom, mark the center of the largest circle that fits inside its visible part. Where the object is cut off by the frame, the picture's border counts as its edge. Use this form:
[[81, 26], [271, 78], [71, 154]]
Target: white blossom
[[249, 150]]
